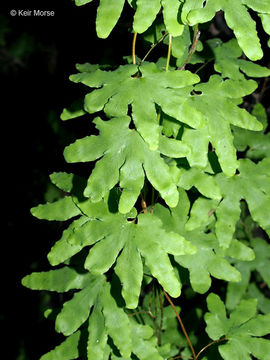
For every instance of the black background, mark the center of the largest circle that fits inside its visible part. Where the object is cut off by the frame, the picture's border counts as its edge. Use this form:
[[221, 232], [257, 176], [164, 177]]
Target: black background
[[35, 89]]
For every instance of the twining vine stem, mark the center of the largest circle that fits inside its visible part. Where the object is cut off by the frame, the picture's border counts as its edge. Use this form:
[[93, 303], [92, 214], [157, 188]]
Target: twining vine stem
[[196, 37], [169, 53], [181, 324], [134, 48], [207, 346], [152, 47]]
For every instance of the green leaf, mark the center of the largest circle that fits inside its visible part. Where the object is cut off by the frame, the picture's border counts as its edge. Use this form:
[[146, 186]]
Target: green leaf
[[75, 110], [80, 305], [257, 144], [116, 322], [60, 210], [146, 13], [210, 261], [149, 86], [59, 280], [263, 301], [124, 152], [170, 13], [241, 329], [112, 232], [97, 334], [130, 258], [251, 176], [215, 102], [68, 350], [82, 2], [181, 45], [142, 346], [265, 18], [155, 249], [260, 264], [237, 18], [63, 249], [203, 182], [227, 61], [108, 14]]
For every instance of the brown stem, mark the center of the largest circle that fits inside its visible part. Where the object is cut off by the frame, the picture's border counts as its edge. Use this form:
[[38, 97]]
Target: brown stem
[[203, 65], [181, 324], [143, 204], [152, 47], [197, 35], [207, 346], [142, 312], [133, 48], [264, 86], [161, 318]]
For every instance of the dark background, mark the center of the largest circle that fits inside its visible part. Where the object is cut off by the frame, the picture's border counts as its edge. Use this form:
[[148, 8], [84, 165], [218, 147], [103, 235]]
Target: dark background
[[37, 54]]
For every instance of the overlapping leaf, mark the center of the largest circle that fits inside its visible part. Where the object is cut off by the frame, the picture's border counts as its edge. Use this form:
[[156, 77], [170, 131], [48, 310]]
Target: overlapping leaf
[[112, 232], [149, 86], [216, 102], [242, 331], [95, 292], [261, 264], [146, 11], [126, 159], [210, 260], [257, 144], [251, 176], [237, 18], [106, 319], [227, 61]]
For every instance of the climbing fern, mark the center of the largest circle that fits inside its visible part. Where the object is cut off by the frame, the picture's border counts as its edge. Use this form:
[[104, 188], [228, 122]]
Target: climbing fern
[[177, 202]]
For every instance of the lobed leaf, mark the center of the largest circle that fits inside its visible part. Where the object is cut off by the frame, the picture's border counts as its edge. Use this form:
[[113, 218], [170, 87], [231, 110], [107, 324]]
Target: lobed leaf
[[256, 144], [98, 336], [60, 280], [116, 322], [211, 261], [150, 85], [237, 18], [123, 152], [80, 305], [60, 210], [235, 292], [227, 61], [215, 101], [67, 350], [108, 14], [241, 329]]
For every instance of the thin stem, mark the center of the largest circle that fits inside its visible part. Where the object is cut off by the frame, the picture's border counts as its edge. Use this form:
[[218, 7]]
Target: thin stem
[[264, 86], [152, 47], [181, 324], [155, 320], [203, 65], [196, 37], [207, 346], [142, 312], [133, 48], [143, 204], [161, 317], [169, 53]]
